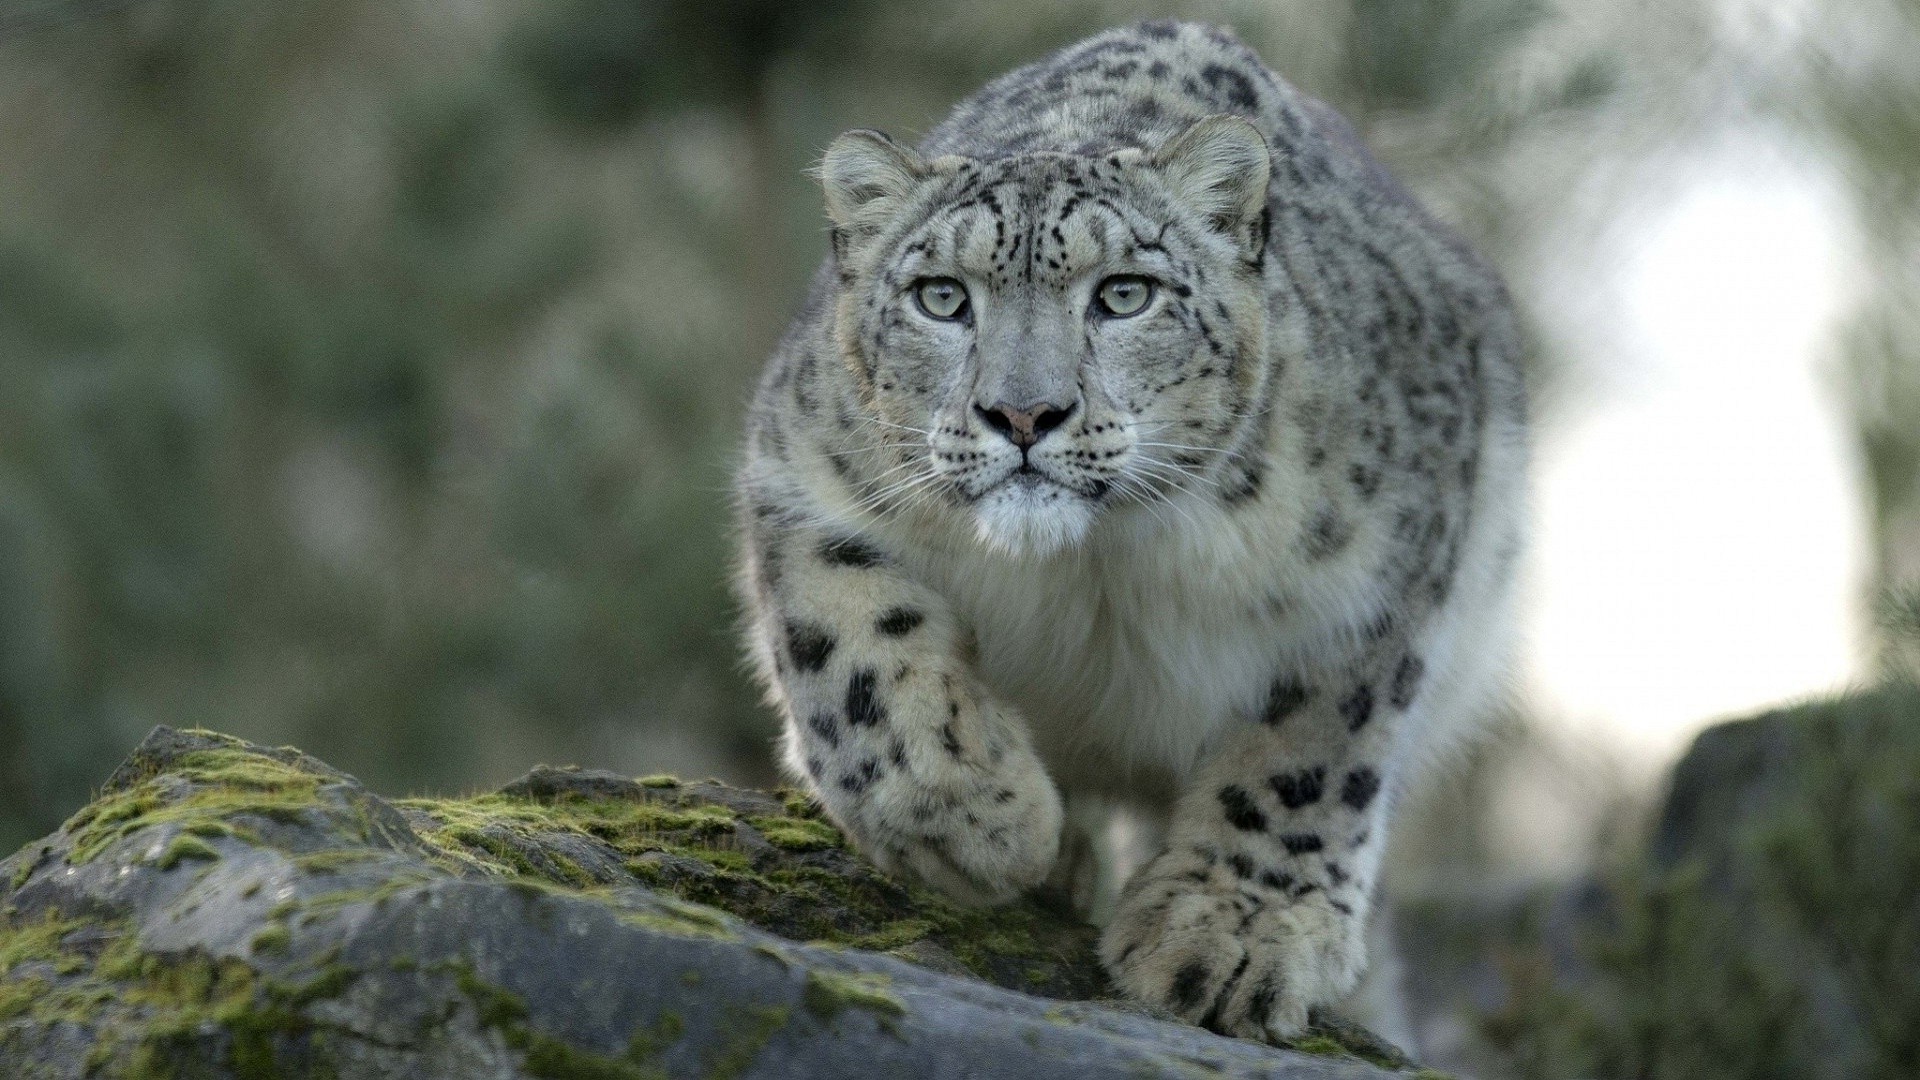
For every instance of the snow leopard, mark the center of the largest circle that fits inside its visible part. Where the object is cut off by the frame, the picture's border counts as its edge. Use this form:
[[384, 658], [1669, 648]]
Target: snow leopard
[[1141, 443]]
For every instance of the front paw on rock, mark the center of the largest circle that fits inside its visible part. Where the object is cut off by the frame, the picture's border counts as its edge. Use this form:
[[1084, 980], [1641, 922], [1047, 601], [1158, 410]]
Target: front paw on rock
[[986, 847], [1229, 961]]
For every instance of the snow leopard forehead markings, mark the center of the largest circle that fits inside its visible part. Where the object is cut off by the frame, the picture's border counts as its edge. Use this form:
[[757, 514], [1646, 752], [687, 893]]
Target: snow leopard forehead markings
[[1036, 220]]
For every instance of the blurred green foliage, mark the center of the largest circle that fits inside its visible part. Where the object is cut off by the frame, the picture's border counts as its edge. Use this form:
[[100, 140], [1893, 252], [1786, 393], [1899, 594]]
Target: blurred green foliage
[[372, 370]]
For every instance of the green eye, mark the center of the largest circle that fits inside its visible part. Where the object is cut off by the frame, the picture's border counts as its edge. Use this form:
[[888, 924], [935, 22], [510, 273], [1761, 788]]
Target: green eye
[[942, 298], [1123, 295]]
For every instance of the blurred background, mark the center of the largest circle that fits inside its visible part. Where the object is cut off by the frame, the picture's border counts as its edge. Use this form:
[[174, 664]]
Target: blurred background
[[371, 373]]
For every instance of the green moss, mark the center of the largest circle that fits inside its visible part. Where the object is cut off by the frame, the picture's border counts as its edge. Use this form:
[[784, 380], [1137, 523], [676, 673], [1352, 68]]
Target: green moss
[[495, 1007], [18, 996], [38, 940], [226, 784], [551, 1059], [649, 1043], [757, 1023], [681, 920], [800, 804], [801, 884], [894, 935], [150, 1011], [274, 939], [378, 894], [1319, 1045], [501, 835], [829, 993], [332, 862], [798, 834], [1802, 883], [185, 846], [659, 780]]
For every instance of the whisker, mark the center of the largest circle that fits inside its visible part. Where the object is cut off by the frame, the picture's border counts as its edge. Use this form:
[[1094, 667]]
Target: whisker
[[1171, 475], [870, 449], [896, 489], [1184, 446], [891, 424]]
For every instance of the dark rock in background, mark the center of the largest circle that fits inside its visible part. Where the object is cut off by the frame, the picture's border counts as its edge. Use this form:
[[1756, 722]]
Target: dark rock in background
[[1769, 927], [228, 910]]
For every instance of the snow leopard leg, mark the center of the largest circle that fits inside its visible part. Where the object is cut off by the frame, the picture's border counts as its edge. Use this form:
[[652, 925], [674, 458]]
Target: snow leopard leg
[[884, 719], [1256, 910]]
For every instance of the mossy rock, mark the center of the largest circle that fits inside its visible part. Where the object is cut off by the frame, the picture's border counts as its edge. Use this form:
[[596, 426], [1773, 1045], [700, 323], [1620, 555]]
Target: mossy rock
[[228, 910], [1769, 927]]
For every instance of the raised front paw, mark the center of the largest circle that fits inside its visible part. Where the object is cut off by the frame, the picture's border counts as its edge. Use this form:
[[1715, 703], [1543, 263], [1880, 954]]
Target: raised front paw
[[1228, 952]]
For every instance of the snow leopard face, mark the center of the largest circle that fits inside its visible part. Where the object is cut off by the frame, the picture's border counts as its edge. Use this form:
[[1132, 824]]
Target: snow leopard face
[[1046, 337]]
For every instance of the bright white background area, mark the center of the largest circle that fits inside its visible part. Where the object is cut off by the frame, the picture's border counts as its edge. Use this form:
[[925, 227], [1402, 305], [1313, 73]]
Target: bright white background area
[[1699, 544]]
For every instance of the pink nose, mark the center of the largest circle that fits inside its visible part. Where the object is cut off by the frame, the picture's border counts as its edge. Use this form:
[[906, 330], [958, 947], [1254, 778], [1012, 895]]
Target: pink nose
[[1024, 426]]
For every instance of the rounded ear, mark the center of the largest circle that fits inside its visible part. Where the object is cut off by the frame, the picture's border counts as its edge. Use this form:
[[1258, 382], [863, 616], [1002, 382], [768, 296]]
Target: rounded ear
[[1219, 166], [866, 176]]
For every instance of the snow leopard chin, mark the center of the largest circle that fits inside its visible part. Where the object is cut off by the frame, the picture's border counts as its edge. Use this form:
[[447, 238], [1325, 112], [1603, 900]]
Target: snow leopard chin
[[1029, 517]]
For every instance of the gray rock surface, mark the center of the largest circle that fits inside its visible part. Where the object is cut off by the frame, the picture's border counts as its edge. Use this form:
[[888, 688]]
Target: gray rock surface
[[1769, 926], [227, 910]]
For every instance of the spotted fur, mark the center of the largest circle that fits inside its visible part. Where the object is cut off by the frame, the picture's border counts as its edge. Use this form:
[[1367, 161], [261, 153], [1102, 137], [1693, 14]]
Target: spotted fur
[[1244, 567]]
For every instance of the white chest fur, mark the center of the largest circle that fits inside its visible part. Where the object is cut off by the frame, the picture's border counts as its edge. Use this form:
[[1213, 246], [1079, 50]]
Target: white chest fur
[[1128, 653]]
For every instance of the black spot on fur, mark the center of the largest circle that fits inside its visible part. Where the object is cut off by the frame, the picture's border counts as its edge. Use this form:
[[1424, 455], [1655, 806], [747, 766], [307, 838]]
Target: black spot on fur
[[809, 644], [863, 706], [1365, 481], [898, 622], [1237, 88], [1189, 983], [1298, 789], [1359, 788], [1211, 1021], [1284, 698], [1406, 681], [1242, 866], [1357, 707], [1144, 112], [1326, 535], [826, 726], [850, 551], [1243, 486], [950, 740], [1241, 813], [862, 777], [1302, 843], [1260, 1002]]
